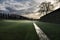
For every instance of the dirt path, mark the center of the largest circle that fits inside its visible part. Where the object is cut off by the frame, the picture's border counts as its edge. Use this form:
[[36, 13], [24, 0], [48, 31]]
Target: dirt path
[[40, 33]]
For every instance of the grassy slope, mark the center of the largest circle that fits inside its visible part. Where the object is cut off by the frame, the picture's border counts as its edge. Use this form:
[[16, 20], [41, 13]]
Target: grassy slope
[[17, 31], [52, 30]]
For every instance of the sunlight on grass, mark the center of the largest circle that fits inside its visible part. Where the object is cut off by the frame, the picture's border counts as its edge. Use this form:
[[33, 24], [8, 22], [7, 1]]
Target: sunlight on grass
[[17, 30], [21, 21]]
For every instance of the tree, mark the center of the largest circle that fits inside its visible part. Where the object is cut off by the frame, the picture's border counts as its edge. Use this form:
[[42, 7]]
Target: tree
[[46, 7], [58, 0]]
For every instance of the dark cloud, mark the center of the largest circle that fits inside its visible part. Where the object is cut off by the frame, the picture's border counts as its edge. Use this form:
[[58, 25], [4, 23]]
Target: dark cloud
[[17, 5]]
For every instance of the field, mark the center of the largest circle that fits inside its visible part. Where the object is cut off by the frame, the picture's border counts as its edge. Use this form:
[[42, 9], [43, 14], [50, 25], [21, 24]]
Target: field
[[52, 30], [24, 30], [17, 30]]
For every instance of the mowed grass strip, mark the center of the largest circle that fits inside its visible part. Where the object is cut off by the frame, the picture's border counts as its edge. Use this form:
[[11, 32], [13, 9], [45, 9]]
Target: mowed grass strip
[[18, 30], [52, 30]]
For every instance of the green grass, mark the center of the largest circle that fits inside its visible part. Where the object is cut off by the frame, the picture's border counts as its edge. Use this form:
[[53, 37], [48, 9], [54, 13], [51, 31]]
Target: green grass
[[24, 30], [17, 30], [52, 30]]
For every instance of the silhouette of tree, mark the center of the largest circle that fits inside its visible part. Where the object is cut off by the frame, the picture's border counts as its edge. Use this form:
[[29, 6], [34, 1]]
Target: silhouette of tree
[[46, 7]]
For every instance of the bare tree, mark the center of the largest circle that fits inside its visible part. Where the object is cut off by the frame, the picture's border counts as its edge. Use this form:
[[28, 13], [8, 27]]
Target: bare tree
[[46, 7], [58, 0]]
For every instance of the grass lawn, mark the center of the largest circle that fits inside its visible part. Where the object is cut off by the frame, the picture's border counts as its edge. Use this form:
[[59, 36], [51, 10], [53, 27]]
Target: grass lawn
[[17, 30], [52, 30]]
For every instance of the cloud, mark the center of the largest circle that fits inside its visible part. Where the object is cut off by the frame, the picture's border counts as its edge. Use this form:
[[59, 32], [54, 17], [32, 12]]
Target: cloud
[[2, 7], [20, 5], [17, 4]]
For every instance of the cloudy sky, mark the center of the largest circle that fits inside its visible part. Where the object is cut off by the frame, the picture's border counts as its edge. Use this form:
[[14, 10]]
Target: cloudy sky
[[20, 5]]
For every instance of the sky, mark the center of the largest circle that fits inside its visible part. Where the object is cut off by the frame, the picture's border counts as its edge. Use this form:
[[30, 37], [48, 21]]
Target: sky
[[17, 5], [14, 4], [21, 6]]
